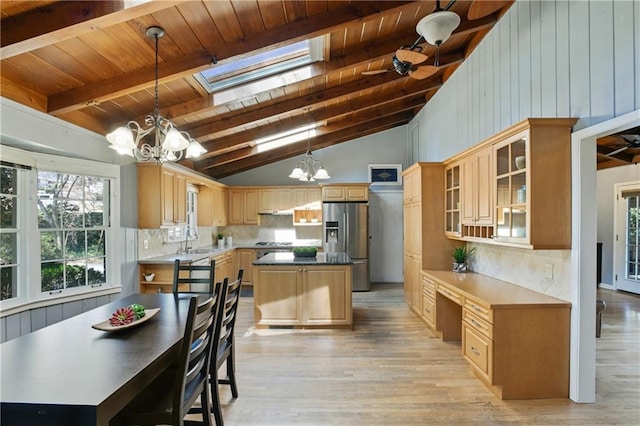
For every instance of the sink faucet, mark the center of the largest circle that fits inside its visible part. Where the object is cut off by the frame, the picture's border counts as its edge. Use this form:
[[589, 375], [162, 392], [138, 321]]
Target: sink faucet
[[186, 240]]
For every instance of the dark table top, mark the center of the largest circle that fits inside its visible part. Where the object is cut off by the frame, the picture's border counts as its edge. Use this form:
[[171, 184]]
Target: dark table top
[[288, 259], [87, 375]]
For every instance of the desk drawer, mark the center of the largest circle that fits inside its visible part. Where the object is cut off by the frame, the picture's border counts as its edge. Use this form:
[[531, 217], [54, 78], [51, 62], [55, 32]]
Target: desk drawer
[[479, 309], [478, 351], [478, 323], [450, 294], [429, 310], [428, 288]]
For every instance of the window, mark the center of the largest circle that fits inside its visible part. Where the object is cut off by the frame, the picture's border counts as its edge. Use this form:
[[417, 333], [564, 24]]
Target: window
[[59, 232], [8, 232], [72, 219]]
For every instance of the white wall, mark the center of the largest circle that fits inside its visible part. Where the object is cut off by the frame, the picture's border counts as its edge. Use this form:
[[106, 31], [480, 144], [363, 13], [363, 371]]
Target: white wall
[[543, 59], [345, 162], [606, 179]]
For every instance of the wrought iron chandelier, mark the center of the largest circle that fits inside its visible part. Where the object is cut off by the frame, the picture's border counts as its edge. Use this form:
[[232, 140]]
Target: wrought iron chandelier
[[309, 169], [169, 143]]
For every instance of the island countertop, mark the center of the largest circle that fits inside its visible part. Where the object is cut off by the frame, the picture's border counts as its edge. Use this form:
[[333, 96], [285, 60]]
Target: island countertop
[[287, 258]]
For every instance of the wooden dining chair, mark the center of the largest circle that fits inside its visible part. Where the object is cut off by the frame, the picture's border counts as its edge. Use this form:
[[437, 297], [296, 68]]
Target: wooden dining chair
[[226, 348], [190, 278], [168, 398]]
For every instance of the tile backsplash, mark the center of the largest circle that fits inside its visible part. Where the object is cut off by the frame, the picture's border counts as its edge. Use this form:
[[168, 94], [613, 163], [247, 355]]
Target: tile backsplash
[[544, 271], [271, 228]]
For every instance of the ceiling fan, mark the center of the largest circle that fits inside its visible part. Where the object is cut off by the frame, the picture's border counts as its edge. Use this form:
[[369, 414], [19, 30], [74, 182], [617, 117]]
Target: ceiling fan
[[631, 141], [435, 29]]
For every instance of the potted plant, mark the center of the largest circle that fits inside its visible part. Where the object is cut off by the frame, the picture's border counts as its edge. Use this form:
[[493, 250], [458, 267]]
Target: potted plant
[[460, 257], [220, 239]]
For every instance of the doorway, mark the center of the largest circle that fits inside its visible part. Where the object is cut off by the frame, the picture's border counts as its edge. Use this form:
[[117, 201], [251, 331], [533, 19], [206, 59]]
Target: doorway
[[626, 253], [583, 253]]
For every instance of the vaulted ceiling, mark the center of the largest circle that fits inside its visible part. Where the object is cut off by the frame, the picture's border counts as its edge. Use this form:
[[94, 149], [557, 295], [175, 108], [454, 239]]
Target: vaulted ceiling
[[90, 63]]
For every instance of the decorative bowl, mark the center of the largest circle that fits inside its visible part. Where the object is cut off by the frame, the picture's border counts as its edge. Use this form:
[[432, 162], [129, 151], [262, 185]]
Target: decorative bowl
[[149, 277], [305, 251], [521, 162]]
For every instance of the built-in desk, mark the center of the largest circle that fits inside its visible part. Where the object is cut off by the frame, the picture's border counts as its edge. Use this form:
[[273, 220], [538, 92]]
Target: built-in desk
[[515, 340]]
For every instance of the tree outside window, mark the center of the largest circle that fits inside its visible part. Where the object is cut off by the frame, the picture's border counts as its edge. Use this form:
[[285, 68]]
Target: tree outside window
[[73, 219]]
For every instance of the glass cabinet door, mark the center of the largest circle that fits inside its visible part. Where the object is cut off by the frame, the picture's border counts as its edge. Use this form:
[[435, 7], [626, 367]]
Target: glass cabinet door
[[511, 189], [452, 200]]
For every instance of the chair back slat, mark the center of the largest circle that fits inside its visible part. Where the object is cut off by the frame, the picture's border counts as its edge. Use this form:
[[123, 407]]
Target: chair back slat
[[196, 278]]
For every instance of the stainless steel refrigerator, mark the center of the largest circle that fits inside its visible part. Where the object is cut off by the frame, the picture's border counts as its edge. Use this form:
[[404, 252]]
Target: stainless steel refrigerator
[[346, 229]]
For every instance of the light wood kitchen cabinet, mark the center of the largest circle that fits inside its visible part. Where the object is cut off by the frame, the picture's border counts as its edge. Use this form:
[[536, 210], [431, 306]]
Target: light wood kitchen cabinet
[[219, 206], [225, 267], [212, 205], [514, 339], [516, 187], [477, 195], [532, 184], [245, 258], [345, 192], [275, 200], [452, 200], [425, 245], [302, 295], [162, 196], [162, 281], [307, 207], [243, 206]]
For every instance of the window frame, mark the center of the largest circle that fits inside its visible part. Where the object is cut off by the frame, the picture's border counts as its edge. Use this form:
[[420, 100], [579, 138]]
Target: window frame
[[29, 278]]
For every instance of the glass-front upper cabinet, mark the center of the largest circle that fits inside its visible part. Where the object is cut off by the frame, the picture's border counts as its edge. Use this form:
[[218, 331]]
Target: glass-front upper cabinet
[[452, 200], [511, 188]]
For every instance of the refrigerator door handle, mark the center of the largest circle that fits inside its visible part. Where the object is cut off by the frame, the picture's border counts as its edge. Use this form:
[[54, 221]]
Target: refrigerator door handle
[[346, 231]]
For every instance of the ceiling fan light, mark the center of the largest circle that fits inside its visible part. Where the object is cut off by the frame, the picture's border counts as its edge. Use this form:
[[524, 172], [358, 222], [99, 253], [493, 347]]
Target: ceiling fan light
[[174, 141], [121, 138], [437, 27], [194, 149]]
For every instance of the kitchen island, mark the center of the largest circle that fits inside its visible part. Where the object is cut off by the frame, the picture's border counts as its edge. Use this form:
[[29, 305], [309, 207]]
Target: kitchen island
[[302, 292]]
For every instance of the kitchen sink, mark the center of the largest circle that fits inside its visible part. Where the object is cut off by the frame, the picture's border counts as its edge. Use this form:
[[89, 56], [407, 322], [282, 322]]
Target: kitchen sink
[[200, 251]]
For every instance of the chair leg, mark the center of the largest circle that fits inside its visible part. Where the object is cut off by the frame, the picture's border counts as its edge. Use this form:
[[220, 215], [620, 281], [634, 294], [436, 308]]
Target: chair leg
[[206, 405], [215, 397], [231, 373]]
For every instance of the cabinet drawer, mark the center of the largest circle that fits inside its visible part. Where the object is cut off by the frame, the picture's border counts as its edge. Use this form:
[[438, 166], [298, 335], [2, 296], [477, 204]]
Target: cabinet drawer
[[429, 310], [478, 351], [479, 309], [450, 294], [428, 287], [478, 323]]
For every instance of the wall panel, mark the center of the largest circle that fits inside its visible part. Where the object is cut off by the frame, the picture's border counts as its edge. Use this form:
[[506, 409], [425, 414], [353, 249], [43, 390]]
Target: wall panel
[[601, 63]]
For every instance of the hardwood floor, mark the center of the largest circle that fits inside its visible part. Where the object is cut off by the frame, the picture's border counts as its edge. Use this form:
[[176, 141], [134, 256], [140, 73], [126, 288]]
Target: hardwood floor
[[391, 370]]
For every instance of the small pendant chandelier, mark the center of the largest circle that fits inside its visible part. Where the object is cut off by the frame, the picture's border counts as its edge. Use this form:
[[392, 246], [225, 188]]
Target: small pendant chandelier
[[309, 169], [169, 143]]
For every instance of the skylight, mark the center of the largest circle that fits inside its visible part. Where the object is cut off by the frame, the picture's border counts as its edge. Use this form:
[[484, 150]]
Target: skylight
[[286, 138], [277, 64]]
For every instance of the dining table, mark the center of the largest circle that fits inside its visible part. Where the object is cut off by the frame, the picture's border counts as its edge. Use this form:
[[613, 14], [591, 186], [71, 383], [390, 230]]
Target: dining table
[[71, 374]]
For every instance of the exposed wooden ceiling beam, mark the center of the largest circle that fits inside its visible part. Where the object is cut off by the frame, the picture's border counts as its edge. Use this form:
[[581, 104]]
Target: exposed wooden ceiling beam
[[622, 156], [77, 98], [298, 148], [67, 19], [368, 115], [335, 112]]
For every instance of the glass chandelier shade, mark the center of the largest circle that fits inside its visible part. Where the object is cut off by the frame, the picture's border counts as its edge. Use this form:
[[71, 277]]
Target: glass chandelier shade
[[309, 169], [168, 144]]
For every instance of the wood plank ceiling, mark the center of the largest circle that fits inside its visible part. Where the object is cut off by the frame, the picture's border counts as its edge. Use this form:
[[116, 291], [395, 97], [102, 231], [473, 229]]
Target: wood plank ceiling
[[90, 63]]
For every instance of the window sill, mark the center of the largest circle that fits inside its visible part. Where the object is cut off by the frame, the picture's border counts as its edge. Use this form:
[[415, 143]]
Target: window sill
[[58, 300]]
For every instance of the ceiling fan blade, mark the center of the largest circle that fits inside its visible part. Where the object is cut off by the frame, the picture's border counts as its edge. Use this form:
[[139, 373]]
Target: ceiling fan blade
[[423, 72], [375, 72], [481, 8], [411, 56], [617, 151]]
